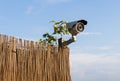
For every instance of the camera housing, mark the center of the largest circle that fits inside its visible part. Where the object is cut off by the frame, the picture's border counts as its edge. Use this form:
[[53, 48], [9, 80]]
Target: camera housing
[[76, 26]]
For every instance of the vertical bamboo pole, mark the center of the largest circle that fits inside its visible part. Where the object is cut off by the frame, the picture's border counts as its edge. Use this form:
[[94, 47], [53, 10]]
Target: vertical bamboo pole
[[1, 68]]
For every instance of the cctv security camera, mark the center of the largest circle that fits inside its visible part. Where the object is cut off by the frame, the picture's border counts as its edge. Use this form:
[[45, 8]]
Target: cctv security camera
[[76, 26]]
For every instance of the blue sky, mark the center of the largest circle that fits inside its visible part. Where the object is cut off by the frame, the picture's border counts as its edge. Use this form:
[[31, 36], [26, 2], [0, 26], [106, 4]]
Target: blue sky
[[95, 56]]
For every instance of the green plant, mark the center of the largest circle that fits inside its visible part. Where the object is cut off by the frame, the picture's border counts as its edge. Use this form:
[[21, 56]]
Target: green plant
[[59, 28]]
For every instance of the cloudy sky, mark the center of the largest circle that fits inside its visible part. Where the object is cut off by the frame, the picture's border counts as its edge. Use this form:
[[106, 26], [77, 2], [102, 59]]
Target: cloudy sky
[[95, 56]]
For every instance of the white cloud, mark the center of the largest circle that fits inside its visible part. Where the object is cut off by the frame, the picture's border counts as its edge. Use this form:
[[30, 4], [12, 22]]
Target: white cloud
[[91, 33], [104, 47], [94, 67], [87, 59], [29, 10], [39, 5]]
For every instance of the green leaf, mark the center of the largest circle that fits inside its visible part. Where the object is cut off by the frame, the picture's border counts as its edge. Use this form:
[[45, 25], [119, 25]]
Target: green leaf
[[59, 28]]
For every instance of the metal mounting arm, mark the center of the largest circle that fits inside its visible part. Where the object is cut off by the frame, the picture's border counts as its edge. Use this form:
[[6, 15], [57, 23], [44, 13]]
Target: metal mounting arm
[[63, 43]]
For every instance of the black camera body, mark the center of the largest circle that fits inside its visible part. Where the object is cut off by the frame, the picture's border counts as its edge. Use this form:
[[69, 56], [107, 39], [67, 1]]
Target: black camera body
[[76, 26]]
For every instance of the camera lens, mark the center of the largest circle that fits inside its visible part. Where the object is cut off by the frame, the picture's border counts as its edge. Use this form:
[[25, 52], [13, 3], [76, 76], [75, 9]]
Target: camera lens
[[79, 27]]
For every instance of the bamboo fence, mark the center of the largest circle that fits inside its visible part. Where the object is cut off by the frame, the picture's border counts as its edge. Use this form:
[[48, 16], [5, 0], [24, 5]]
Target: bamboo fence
[[24, 60]]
